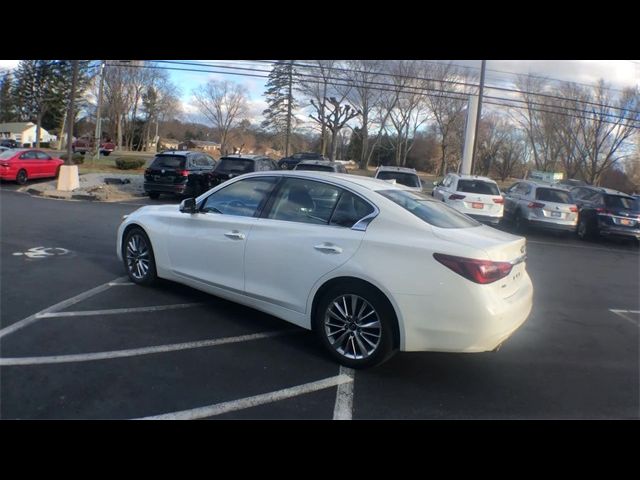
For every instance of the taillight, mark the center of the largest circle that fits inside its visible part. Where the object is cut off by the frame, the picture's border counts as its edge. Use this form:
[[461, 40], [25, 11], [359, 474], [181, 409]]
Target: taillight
[[536, 205], [573, 209], [478, 271], [182, 173], [603, 211], [455, 196], [498, 200], [147, 171]]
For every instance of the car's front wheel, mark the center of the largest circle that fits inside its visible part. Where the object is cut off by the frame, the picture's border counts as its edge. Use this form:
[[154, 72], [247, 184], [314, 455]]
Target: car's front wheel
[[138, 257], [22, 177], [355, 325]]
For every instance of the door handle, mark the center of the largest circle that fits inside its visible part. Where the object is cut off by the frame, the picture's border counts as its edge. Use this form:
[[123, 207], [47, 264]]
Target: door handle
[[235, 235], [328, 248]]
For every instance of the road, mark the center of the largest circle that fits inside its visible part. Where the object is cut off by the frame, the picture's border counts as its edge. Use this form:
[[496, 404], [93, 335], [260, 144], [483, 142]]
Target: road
[[138, 352]]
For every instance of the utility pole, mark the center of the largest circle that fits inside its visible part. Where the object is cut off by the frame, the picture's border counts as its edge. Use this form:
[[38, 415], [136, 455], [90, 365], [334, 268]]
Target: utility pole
[[475, 135], [289, 100], [99, 113], [71, 113]]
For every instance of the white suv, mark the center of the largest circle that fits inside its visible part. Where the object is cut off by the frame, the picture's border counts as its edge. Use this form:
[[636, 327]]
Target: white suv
[[402, 175], [478, 197]]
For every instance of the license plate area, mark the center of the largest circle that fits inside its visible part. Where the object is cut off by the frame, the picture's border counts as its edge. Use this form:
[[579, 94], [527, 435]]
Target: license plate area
[[626, 222], [556, 214], [477, 205]]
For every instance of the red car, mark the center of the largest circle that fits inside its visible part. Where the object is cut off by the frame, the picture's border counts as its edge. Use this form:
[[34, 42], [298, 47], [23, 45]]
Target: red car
[[23, 164], [85, 144]]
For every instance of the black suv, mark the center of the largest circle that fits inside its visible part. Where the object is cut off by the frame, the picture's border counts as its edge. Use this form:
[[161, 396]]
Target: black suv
[[9, 143], [320, 166], [179, 172], [606, 212], [235, 165], [288, 163]]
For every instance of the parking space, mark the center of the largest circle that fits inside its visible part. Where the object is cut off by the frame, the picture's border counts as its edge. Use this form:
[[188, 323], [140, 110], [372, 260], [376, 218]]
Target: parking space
[[78, 341]]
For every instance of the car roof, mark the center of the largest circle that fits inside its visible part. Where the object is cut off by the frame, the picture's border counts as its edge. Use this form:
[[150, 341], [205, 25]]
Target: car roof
[[473, 177], [318, 162], [391, 168], [183, 153], [607, 191]]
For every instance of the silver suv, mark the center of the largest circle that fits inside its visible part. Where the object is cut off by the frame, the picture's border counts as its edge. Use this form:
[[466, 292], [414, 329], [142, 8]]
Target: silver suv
[[528, 203], [402, 175]]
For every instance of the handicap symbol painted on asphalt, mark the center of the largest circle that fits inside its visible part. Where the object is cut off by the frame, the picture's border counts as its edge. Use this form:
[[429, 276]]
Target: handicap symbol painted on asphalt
[[43, 252]]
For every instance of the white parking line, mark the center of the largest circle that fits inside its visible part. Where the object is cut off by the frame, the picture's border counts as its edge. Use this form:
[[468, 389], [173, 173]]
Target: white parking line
[[117, 311], [621, 313], [343, 409], [88, 357], [121, 284], [58, 306], [220, 408]]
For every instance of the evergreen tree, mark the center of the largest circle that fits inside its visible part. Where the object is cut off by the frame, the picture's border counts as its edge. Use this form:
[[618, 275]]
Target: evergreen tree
[[279, 117], [8, 111]]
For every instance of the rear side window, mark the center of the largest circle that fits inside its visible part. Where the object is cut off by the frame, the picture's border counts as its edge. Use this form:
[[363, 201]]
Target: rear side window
[[478, 186], [430, 211], [169, 161], [553, 195], [350, 210]]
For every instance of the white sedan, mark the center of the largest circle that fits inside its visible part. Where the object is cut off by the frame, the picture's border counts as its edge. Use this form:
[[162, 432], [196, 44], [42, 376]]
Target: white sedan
[[370, 267]]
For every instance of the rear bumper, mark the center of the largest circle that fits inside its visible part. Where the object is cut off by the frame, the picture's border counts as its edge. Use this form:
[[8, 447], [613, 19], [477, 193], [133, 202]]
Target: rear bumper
[[178, 189], [615, 231], [479, 323], [555, 225]]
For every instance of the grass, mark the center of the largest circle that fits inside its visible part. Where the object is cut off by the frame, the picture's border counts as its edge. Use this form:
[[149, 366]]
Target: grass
[[108, 164]]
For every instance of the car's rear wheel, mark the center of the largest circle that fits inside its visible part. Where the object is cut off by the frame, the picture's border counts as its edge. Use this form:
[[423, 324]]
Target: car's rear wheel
[[138, 257], [520, 224], [355, 325], [22, 177], [585, 231]]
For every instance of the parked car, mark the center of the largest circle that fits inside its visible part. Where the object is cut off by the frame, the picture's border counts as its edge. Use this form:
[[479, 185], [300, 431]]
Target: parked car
[[321, 166], [9, 143], [85, 144], [179, 172], [234, 165], [370, 267], [24, 164], [4, 149], [404, 176], [288, 163], [478, 197], [606, 212], [540, 205]]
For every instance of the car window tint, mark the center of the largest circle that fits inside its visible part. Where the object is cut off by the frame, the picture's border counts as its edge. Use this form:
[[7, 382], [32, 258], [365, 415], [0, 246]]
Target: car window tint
[[305, 201], [618, 201], [169, 161], [429, 210], [350, 210], [553, 195], [243, 198], [478, 186], [403, 178], [42, 156]]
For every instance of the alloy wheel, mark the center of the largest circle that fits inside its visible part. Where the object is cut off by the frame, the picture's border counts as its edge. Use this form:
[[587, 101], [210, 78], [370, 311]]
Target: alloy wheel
[[138, 256], [352, 327]]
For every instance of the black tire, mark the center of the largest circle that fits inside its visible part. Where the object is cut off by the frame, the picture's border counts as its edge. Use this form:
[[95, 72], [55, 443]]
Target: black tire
[[22, 177], [137, 253], [585, 229], [347, 347], [520, 224], [154, 195]]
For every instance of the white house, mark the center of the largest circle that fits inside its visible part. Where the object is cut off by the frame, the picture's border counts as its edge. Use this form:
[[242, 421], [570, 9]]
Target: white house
[[24, 132]]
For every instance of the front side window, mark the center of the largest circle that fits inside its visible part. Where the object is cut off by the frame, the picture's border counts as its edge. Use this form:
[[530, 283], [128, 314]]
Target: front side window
[[478, 186], [42, 156], [305, 201], [244, 198], [429, 210]]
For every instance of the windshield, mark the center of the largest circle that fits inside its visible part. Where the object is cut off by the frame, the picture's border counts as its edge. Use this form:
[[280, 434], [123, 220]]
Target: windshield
[[429, 210], [235, 165], [315, 168], [168, 161], [407, 179], [552, 195], [617, 201], [478, 186]]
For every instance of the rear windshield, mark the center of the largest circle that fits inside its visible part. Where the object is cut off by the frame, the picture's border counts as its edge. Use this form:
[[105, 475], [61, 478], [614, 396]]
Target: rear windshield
[[7, 154], [168, 161], [407, 179], [617, 201], [478, 186], [315, 168], [552, 195], [429, 210], [235, 165]]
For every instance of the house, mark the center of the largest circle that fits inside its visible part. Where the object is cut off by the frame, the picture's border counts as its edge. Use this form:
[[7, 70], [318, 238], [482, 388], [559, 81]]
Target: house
[[168, 144], [24, 133], [212, 148]]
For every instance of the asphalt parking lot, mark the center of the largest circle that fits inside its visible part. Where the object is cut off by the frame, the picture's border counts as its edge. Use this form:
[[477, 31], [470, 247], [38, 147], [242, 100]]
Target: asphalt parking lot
[[78, 341]]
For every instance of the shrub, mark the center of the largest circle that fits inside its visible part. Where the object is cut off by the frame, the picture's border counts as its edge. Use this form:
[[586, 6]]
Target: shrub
[[76, 158], [129, 163]]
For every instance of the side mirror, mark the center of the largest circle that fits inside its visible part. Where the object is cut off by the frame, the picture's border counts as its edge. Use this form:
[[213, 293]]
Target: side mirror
[[436, 184], [188, 205]]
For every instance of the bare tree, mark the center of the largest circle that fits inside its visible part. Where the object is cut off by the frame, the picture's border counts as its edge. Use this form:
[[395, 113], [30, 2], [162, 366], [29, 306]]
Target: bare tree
[[336, 117], [511, 152], [223, 103]]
